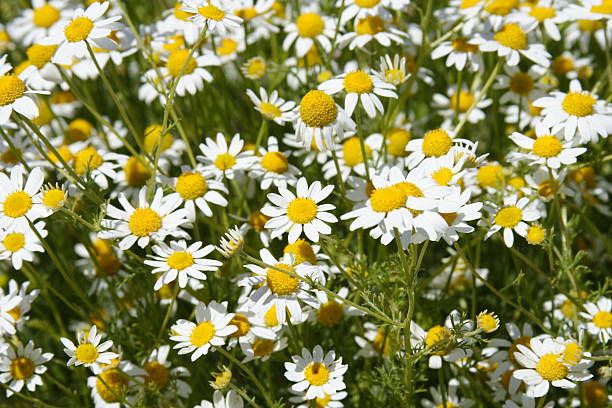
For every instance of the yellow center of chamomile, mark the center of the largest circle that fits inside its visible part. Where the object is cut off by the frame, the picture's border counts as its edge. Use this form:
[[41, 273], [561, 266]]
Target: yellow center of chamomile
[[318, 109], [351, 151], [177, 60], [330, 313], [461, 44], [521, 84], [358, 82], [86, 159], [14, 241], [490, 175], [509, 217], [387, 199], [242, 323], [202, 334], [157, 374], [40, 55], [281, 283], [144, 221], [462, 101], [436, 143], [511, 35], [180, 260], [11, 89], [316, 374], [45, 16], [302, 251], [86, 353], [397, 139], [111, 385], [21, 368], [270, 110], [262, 347], [302, 210], [309, 25], [211, 12], [191, 185], [578, 104], [550, 368], [367, 3], [78, 29], [275, 162], [136, 174], [535, 235], [434, 336], [17, 204], [603, 319], [370, 25], [225, 161], [547, 146]]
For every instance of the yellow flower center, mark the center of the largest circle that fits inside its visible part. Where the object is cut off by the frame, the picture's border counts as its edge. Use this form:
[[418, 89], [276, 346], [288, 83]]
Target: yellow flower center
[[511, 35], [387, 199], [490, 175], [270, 110], [448, 404], [603, 319], [330, 313], [594, 394], [11, 89], [550, 368], [469, 3], [107, 263], [302, 251], [276, 162], [351, 151], [317, 109], [22, 368], [281, 283], [227, 47], [242, 323], [78, 130], [436, 143], [521, 84], [309, 25], [590, 26], [604, 8], [202, 334], [270, 317], [547, 146], [442, 176], [358, 82], [394, 76], [463, 101], [535, 235], [322, 402], [397, 140], [211, 12], [548, 188], [572, 354], [144, 221], [263, 347], [86, 353], [15, 313], [191, 185], [501, 7], [225, 161], [370, 25], [434, 336], [180, 260], [111, 385], [17, 204], [180, 14], [562, 65], [523, 341], [157, 374], [86, 159], [14, 241], [568, 309], [316, 374], [258, 220], [78, 29], [461, 44], [178, 59], [509, 217], [45, 16], [578, 104], [40, 55], [153, 137], [487, 322], [542, 13], [367, 3], [256, 67], [136, 174], [247, 13], [9, 157], [449, 217]]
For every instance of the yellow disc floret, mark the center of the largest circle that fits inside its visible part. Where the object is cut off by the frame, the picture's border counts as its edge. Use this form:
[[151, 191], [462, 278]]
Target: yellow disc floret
[[370, 25], [179, 59], [21, 368], [521, 83], [550, 368], [180, 260], [17, 204], [578, 104], [309, 25], [11, 89], [111, 385], [436, 143], [14, 241], [316, 373], [202, 334], [157, 374], [275, 162], [144, 221], [330, 313], [242, 323], [281, 283], [535, 234], [547, 146], [191, 185], [511, 35], [78, 29], [318, 109], [45, 16], [136, 174], [358, 82], [302, 251], [387, 199], [211, 12], [86, 353], [509, 217], [40, 55], [434, 336], [603, 319], [302, 210], [352, 153]]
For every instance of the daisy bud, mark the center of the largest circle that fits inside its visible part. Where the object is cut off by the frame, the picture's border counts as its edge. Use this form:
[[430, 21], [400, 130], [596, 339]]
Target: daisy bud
[[487, 322]]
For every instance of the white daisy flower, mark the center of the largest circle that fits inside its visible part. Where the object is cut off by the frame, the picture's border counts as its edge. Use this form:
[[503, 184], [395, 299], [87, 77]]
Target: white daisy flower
[[37, 22], [393, 71], [576, 110], [308, 28], [84, 29], [212, 15], [194, 189], [329, 401], [599, 319], [20, 242], [231, 400], [97, 164], [89, 352], [545, 366], [330, 312], [188, 70], [251, 327], [164, 377], [149, 221], [178, 259], [521, 86], [357, 9], [8, 314], [435, 143], [526, 402], [114, 385], [511, 217], [23, 367], [456, 211], [543, 13], [231, 243], [460, 102], [459, 53], [273, 167], [211, 329], [19, 202], [15, 93], [272, 106], [545, 149], [224, 161], [316, 373], [371, 28], [449, 398], [20, 312], [300, 212]]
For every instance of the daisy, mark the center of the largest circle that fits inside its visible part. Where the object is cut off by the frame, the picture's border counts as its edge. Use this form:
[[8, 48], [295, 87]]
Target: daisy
[[435, 143], [599, 319], [456, 211], [82, 31], [251, 327], [377, 341], [448, 398], [89, 352], [371, 28], [393, 71], [359, 85], [20, 312], [317, 374], [20, 242], [300, 212], [259, 15], [179, 259], [18, 202], [40, 21], [15, 93], [231, 400], [255, 68], [272, 106], [356, 9], [521, 86], [101, 262], [192, 188], [96, 164], [308, 28], [329, 401], [258, 348], [211, 15], [547, 183], [211, 330], [272, 287], [544, 365], [576, 110], [149, 221], [8, 315], [231, 242], [132, 177], [526, 402], [459, 53], [113, 386], [330, 312], [546, 148], [511, 217], [224, 161], [543, 13], [23, 367], [461, 102], [164, 377], [187, 70], [273, 166]]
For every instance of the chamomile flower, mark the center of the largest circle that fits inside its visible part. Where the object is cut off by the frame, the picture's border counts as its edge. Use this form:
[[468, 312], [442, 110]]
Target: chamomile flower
[[231, 243], [458, 103], [435, 143], [83, 30], [8, 303], [329, 401], [273, 166], [393, 71], [316, 373], [308, 28], [19, 201], [37, 22], [231, 400], [211, 15], [271, 106], [149, 221], [331, 312], [15, 93], [459, 53], [114, 384], [357, 9], [521, 86], [456, 210], [543, 13], [210, 330], [371, 28], [576, 110], [360, 86], [96, 164], [224, 161], [598, 318], [89, 352], [20, 242], [187, 69], [20, 312], [22, 367], [163, 376], [178, 259], [194, 189], [255, 68], [300, 212], [511, 217]]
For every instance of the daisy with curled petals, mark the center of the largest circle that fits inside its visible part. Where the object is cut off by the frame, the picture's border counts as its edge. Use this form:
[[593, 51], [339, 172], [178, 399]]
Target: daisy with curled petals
[[224, 161], [212, 15], [456, 211], [19, 202], [449, 398], [148, 222], [273, 166], [82, 31], [272, 106], [545, 365], [20, 242], [393, 71], [179, 259], [359, 85], [316, 373], [459, 53], [576, 110], [211, 328], [545, 149], [231, 400], [300, 212], [512, 41], [38, 22], [318, 119], [188, 70], [89, 352], [23, 367], [272, 287], [511, 217], [308, 28], [194, 189], [15, 93], [599, 318]]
